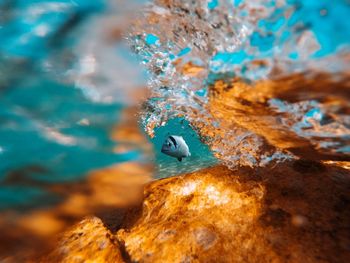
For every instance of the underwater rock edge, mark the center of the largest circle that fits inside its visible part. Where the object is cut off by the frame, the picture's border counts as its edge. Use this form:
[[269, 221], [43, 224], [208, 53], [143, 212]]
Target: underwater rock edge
[[295, 212]]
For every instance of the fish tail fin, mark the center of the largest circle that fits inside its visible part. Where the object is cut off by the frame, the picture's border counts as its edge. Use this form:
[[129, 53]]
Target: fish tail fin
[[180, 159]]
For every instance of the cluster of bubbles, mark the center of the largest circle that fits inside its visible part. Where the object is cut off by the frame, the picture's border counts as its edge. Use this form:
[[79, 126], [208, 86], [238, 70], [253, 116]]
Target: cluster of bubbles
[[256, 40]]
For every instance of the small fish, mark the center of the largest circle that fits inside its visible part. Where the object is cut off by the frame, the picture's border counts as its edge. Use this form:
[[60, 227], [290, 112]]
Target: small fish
[[175, 146]]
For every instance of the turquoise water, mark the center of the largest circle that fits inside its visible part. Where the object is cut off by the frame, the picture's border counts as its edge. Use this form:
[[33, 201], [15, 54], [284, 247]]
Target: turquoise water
[[50, 132], [201, 156], [63, 89]]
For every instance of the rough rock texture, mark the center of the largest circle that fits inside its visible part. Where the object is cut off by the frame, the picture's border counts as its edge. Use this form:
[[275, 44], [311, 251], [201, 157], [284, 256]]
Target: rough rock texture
[[244, 111], [296, 212], [196, 218], [88, 241]]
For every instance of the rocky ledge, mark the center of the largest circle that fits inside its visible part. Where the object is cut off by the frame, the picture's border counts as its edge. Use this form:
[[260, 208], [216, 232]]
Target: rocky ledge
[[295, 212]]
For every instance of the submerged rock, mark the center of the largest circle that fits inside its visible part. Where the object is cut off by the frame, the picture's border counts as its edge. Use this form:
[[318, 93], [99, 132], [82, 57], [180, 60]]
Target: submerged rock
[[87, 241], [199, 217], [279, 214]]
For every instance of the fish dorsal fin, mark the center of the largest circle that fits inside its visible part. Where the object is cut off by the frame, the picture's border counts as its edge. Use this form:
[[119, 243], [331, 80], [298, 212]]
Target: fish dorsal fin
[[180, 159], [173, 140]]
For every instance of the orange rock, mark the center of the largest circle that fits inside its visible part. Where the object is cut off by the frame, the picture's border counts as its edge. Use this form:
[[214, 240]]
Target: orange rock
[[202, 217], [192, 70], [89, 241], [295, 212], [241, 108]]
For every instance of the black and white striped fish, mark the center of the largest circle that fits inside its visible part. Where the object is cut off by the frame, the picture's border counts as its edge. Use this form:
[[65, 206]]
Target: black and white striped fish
[[175, 146]]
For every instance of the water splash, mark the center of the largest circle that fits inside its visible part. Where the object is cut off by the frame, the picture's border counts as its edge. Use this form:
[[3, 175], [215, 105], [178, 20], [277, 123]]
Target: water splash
[[261, 81]]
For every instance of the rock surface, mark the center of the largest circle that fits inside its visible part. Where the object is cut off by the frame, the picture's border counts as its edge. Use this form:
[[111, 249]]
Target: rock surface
[[296, 212], [88, 241], [196, 218]]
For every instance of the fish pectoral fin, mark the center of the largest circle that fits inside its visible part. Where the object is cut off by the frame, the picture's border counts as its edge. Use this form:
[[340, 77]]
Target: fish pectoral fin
[[180, 159]]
